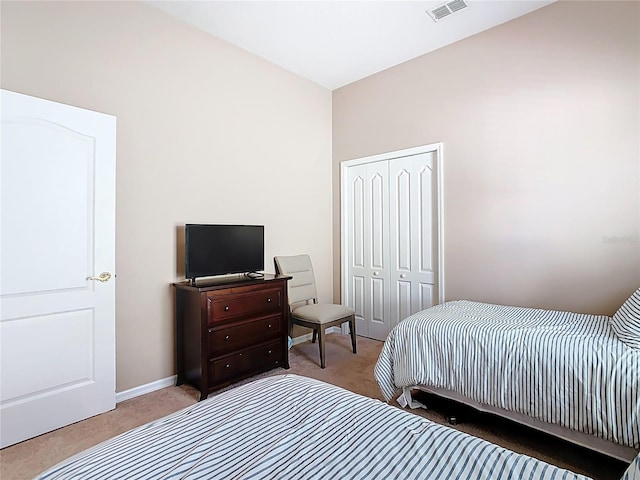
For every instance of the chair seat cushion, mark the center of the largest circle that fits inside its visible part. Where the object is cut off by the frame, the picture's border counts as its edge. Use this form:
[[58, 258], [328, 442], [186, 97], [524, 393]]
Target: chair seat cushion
[[322, 312]]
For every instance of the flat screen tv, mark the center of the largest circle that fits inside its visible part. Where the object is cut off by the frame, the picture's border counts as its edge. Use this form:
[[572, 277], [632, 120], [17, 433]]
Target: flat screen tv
[[212, 250]]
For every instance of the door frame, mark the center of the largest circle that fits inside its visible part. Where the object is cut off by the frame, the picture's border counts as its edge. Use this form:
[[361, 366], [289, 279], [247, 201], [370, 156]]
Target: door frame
[[436, 148]]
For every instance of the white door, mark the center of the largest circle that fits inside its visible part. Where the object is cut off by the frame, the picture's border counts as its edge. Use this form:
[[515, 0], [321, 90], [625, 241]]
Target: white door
[[391, 237], [57, 325], [368, 250], [413, 234]]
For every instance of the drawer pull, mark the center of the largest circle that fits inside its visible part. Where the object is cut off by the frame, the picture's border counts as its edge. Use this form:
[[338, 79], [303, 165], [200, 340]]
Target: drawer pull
[[269, 352], [268, 300], [227, 337], [227, 366], [226, 308], [269, 326]]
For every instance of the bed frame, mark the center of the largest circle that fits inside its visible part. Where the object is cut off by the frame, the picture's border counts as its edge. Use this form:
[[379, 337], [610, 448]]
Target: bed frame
[[620, 452]]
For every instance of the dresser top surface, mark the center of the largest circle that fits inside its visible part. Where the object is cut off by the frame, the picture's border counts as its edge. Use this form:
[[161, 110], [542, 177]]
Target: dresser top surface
[[228, 281]]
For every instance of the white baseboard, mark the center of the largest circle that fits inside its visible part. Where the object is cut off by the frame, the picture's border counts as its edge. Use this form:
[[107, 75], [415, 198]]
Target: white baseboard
[[302, 338], [309, 336], [171, 381], [148, 388]]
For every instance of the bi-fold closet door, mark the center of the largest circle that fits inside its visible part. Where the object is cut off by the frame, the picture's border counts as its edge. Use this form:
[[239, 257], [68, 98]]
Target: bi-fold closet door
[[391, 226]]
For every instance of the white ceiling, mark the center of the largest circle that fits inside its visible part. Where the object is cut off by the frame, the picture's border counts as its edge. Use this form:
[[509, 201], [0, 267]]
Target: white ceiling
[[334, 43]]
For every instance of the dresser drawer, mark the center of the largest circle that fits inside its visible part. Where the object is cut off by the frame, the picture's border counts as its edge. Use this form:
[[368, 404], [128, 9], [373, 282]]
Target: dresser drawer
[[260, 358], [243, 334], [224, 307]]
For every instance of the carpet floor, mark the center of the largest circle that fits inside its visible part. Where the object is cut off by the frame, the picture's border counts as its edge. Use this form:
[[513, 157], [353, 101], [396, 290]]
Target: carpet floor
[[353, 372]]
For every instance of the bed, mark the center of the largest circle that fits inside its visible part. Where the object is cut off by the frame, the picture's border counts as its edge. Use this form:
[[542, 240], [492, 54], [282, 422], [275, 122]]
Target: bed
[[293, 427], [576, 376]]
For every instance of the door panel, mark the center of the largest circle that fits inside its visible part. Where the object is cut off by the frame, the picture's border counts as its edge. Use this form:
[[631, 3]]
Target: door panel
[[411, 205], [403, 297], [57, 327], [367, 256], [358, 223], [358, 299], [425, 215], [377, 216], [61, 242], [356, 250], [67, 362], [427, 298]]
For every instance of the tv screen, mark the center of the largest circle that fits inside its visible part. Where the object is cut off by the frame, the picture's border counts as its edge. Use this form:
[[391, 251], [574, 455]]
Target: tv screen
[[223, 249]]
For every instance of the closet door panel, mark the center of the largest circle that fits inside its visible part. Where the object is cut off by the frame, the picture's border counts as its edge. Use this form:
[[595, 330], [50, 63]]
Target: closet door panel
[[368, 247], [377, 221], [358, 296], [356, 247], [411, 207], [402, 228], [358, 225], [404, 295], [426, 296], [425, 216], [377, 217]]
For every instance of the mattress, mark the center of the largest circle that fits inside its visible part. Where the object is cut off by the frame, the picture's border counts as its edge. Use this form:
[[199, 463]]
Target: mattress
[[292, 427], [561, 368]]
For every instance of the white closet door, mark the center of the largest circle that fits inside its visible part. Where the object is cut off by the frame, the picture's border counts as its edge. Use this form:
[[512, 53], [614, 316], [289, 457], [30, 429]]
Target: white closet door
[[57, 325], [391, 229], [368, 250], [412, 185]]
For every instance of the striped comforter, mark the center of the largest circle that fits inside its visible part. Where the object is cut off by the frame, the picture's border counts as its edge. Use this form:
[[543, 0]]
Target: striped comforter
[[562, 368], [291, 427], [633, 472]]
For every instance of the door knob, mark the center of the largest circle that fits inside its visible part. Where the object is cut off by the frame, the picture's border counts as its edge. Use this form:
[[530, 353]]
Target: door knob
[[403, 275], [103, 277], [376, 273]]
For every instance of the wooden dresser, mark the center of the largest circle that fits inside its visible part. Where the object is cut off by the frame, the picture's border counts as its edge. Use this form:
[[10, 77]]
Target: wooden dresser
[[227, 330]]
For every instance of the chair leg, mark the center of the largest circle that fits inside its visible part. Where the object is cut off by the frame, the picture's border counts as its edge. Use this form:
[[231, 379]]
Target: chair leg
[[315, 333], [321, 345], [352, 329]]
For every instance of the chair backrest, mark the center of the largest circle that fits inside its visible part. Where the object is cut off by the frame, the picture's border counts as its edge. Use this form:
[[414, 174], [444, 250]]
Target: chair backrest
[[302, 287]]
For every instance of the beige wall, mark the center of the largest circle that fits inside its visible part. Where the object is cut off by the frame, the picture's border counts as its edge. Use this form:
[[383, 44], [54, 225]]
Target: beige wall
[[205, 133], [540, 120]]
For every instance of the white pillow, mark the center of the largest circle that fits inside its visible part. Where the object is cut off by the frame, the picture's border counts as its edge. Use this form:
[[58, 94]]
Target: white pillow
[[626, 321]]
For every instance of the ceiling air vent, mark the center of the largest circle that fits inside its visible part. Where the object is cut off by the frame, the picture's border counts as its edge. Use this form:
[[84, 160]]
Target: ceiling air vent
[[446, 9]]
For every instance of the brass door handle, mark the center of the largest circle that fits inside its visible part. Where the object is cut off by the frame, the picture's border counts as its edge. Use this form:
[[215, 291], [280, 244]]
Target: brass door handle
[[103, 277]]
